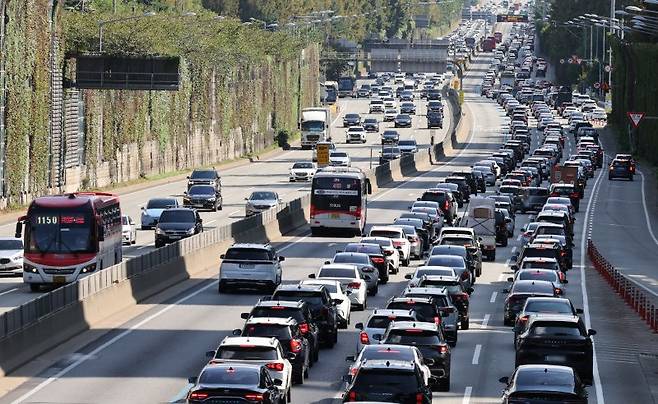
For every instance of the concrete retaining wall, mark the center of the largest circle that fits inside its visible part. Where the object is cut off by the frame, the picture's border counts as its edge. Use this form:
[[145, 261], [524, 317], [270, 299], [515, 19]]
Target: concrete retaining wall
[[51, 319]]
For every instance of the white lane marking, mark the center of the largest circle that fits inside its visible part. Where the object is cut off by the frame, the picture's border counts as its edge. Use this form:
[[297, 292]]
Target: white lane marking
[[476, 354], [485, 321], [293, 243], [467, 395], [583, 286], [144, 246], [234, 212], [6, 292], [112, 341], [519, 237], [646, 211], [212, 221], [514, 250], [182, 395], [493, 297]]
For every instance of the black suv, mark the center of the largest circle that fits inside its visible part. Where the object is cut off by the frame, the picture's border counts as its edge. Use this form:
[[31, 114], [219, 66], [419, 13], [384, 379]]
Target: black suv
[[287, 331], [434, 119], [520, 292], [203, 197], [620, 169], [206, 176], [557, 339], [298, 310], [429, 339], [176, 224], [390, 137], [449, 313], [322, 307], [226, 381], [381, 380], [376, 254], [426, 310]]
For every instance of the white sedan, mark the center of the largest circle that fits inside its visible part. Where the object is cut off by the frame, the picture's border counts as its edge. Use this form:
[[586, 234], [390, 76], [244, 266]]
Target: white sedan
[[339, 295], [302, 171], [128, 230], [339, 158], [349, 276]]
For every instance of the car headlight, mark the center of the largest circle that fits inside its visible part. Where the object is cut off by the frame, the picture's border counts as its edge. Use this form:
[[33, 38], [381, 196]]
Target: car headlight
[[190, 231], [211, 199], [159, 231]]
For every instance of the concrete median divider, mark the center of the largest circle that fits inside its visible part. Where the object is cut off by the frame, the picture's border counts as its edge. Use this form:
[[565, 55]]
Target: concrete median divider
[[51, 319]]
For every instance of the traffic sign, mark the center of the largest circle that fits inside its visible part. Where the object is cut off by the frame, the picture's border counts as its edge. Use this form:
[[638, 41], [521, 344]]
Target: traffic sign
[[561, 61], [597, 85], [635, 117], [323, 153]]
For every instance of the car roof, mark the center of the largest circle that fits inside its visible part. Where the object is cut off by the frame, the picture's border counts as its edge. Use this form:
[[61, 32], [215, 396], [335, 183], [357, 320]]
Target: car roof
[[566, 318], [276, 302], [256, 341], [428, 290], [301, 287], [252, 246], [538, 259], [271, 320], [419, 325], [391, 312], [341, 266], [388, 364]]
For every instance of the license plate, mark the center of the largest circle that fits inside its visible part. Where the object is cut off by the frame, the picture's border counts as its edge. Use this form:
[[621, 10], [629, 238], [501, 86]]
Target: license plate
[[335, 216], [59, 279], [174, 237], [555, 358], [247, 266]]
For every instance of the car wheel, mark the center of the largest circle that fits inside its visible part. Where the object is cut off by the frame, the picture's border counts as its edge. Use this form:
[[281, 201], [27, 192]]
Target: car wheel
[[158, 244], [35, 287], [631, 178], [306, 373], [406, 262], [289, 396], [297, 376], [465, 323], [221, 288], [507, 321], [134, 240], [444, 384]]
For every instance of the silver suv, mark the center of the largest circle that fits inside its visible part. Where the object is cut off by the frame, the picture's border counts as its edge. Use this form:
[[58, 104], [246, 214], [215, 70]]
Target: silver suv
[[250, 266]]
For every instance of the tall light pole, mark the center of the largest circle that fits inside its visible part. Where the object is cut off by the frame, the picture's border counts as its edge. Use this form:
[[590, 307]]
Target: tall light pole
[[102, 24]]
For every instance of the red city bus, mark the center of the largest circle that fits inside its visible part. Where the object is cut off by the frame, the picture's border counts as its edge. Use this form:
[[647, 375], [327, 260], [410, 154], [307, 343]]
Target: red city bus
[[69, 236]]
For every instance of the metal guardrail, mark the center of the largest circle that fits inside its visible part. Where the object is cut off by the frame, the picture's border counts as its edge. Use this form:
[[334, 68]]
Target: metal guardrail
[[644, 304]]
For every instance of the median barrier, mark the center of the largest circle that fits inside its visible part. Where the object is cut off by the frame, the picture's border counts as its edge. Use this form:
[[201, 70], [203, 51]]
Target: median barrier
[[40, 325], [640, 300]]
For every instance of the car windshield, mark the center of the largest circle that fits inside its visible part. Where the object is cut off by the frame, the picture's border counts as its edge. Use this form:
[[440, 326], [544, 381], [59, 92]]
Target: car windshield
[[201, 190], [532, 287], [413, 337], [337, 273], [424, 311], [177, 216], [11, 244], [390, 133], [540, 265], [374, 352], [247, 352], [558, 231], [262, 196], [385, 233], [555, 329], [366, 249], [338, 154], [457, 241], [548, 306], [302, 165], [384, 321], [278, 312], [537, 276], [446, 261], [370, 120], [509, 190], [230, 376], [351, 259], [248, 254], [539, 377], [386, 381], [203, 175], [160, 203], [312, 298], [407, 143], [279, 331], [385, 242]]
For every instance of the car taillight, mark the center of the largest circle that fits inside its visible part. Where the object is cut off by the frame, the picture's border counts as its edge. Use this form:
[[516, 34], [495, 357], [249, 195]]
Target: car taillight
[[312, 211], [353, 371], [354, 285], [437, 320], [363, 337], [295, 345], [523, 319], [253, 397], [558, 291], [377, 260], [574, 195], [303, 328], [554, 194], [198, 395], [446, 205], [357, 212], [443, 349], [275, 366], [419, 398], [563, 253], [388, 252], [464, 275], [351, 396]]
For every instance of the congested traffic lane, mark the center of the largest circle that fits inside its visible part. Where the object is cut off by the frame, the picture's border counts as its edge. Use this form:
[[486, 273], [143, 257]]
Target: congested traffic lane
[[239, 182], [151, 361]]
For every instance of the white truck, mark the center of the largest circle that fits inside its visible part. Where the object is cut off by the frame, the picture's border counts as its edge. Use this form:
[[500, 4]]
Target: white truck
[[481, 217], [315, 124]]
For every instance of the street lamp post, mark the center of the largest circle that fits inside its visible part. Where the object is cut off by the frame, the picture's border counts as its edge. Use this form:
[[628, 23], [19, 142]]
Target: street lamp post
[[101, 25]]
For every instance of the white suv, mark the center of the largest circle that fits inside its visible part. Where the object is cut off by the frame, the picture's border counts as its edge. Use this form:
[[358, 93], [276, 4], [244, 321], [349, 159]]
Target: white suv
[[398, 237]]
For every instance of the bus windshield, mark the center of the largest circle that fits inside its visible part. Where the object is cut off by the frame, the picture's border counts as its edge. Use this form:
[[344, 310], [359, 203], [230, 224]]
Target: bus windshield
[[59, 231], [338, 194]]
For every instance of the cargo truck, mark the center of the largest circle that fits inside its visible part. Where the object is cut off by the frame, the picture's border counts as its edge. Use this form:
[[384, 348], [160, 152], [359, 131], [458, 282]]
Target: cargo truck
[[315, 125]]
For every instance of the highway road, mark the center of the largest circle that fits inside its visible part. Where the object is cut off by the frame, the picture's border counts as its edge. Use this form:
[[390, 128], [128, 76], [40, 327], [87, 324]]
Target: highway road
[[148, 358], [239, 182]]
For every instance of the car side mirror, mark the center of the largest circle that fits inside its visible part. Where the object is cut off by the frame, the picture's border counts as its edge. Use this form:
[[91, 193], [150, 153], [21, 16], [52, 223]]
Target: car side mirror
[[358, 326], [291, 356], [565, 281], [281, 259], [347, 378], [311, 276], [222, 256], [470, 290], [327, 262], [579, 311], [337, 301], [348, 292], [510, 279], [184, 192], [591, 332], [377, 337], [505, 291], [278, 382], [246, 199], [210, 354], [418, 199], [192, 380], [408, 276], [514, 267], [244, 316], [504, 380], [237, 332], [350, 358]]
